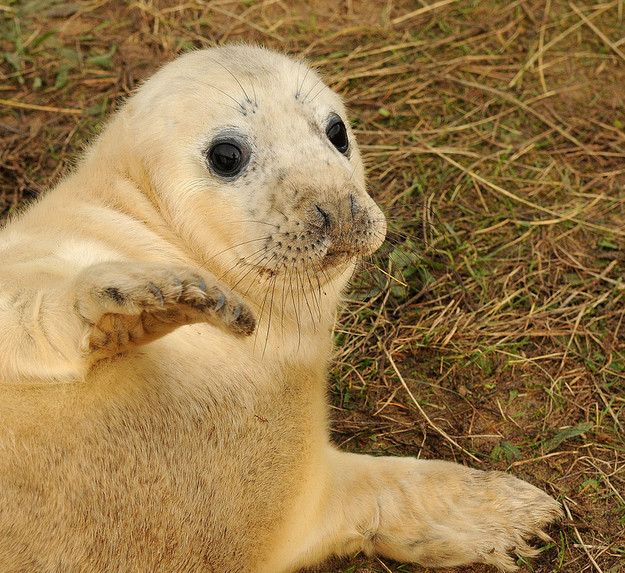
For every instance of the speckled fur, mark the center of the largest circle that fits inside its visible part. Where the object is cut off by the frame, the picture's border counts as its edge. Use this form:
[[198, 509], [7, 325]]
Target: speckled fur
[[164, 340]]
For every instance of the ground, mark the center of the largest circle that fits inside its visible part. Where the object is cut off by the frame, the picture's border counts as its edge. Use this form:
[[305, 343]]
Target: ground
[[489, 330]]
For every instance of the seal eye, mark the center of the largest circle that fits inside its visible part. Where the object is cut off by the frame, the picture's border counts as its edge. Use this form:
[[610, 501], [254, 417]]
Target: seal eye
[[226, 159], [337, 134]]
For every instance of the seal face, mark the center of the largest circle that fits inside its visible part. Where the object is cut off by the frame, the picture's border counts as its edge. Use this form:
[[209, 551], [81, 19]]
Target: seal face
[[266, 151]]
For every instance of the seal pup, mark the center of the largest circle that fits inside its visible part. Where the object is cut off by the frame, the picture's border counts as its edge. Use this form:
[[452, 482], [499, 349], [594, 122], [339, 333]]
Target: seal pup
[[165, 332]]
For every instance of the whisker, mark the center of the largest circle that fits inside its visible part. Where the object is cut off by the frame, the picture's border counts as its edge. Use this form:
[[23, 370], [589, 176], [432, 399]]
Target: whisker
[[255, 221], [300, 86], [273, 290], [240, 108], [295, 307], [284, 294], [323, 87], [311, 89], [303, 291], [261, 318], [319, 290], [254, 92], [389, 275], [352, 174], [281, 212], [234, 247], [241, 278], [324, 273], [311, 290], [251, 266], [247, 97]]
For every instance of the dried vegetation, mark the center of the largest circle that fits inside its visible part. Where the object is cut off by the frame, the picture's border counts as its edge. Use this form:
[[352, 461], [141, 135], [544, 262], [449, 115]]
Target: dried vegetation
[[490, 330]]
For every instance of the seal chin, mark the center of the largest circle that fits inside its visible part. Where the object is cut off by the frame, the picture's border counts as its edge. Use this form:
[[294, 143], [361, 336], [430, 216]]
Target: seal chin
[[342, 254], [337, 259]]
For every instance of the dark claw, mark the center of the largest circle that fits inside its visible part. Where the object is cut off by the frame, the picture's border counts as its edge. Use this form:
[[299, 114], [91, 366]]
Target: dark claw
[[237, 311], [202, 284], [156, 291], [220, 302], [179, 283]]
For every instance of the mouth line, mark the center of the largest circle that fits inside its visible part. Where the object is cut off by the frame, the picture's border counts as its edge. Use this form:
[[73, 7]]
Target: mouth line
[[336, 257], [332, 259]]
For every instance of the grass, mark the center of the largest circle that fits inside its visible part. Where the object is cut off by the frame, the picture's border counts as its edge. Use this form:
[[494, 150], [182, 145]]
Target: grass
[[494, 137]]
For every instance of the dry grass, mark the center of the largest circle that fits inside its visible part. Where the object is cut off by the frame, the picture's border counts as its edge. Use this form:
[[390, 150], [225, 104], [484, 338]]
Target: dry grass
[[494, 134]]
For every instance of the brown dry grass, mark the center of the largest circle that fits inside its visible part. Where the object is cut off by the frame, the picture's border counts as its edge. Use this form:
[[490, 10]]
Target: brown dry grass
[[494, 134]]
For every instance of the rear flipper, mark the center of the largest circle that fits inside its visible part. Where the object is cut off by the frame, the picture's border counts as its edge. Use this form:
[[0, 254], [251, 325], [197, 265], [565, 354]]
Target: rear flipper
[[435, 513]]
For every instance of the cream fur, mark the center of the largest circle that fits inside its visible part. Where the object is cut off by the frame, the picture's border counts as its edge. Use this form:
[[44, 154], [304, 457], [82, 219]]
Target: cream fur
[[164, 341]]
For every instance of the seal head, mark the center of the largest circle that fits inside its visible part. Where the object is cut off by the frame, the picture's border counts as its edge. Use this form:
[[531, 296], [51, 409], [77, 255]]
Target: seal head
[[261, 151]]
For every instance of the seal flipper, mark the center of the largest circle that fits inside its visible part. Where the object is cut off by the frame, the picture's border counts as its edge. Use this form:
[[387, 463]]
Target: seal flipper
[[57, 333], [128, 304]]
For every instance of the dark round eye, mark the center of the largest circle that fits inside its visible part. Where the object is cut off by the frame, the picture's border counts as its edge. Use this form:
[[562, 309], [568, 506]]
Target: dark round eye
[[337, 134], [226, 159]]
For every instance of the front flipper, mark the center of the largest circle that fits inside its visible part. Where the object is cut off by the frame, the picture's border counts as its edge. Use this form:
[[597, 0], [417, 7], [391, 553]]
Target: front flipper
[[128, 304], [53, 330]]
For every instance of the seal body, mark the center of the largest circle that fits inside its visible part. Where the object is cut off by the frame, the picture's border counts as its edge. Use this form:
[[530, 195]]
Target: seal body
[[165, 330]]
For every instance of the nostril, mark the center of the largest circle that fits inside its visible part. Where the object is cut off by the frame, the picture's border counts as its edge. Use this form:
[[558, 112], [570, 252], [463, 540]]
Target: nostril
[[326, 217], [355, 205]]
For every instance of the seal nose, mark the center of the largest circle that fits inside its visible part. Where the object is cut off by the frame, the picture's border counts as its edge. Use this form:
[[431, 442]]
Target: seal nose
[[344, 223], [325, 217], [326, 214]]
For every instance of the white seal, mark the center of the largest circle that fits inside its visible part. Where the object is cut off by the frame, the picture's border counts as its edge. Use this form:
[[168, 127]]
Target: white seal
[[165, 330]]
